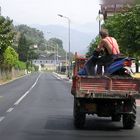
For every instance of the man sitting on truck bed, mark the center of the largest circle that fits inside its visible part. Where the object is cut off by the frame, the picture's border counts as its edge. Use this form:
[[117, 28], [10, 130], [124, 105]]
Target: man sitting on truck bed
[[110, 48]]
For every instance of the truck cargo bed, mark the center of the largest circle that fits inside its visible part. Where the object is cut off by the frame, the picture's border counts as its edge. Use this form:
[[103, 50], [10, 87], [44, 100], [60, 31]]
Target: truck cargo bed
[[97, 86], [106, 96]]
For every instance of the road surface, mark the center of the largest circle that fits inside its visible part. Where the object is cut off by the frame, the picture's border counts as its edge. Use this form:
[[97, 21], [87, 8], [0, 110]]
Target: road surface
[[39, 107]]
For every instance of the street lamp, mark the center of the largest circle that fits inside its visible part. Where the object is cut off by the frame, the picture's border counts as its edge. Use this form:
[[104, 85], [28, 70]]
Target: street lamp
[[68, 41], [99, 21], [100, 18]]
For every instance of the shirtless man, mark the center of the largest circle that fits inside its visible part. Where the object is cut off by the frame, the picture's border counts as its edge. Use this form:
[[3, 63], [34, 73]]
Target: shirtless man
[[110, 48]]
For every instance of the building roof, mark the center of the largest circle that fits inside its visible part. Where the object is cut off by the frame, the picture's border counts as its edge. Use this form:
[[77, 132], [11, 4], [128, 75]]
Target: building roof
[[49, 57], [110, 2], [109, 7]]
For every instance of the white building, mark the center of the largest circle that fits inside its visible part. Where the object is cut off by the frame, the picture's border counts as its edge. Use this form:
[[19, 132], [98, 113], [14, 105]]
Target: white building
[[49, 62]]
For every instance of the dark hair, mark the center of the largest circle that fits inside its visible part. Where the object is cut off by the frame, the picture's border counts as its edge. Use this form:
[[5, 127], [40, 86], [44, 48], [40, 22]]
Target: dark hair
[[104, 33]]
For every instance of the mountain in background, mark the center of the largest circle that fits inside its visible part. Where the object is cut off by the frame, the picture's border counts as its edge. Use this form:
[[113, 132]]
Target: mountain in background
[[79, 39]]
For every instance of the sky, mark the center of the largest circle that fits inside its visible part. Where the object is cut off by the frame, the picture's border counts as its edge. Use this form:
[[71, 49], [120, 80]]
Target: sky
[[45, 12], [82, 14]]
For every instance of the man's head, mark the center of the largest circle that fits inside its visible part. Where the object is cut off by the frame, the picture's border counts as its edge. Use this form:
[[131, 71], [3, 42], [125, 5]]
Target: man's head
[[103, 33]]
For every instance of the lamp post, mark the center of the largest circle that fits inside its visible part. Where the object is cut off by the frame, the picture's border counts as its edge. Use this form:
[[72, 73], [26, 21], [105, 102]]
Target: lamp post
[[99, 21], [100, 18], [68, 41]]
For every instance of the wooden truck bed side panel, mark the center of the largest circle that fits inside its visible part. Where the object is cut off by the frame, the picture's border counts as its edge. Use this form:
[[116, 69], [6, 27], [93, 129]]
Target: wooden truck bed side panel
[[92, 84], [87, 85], [125, 84]]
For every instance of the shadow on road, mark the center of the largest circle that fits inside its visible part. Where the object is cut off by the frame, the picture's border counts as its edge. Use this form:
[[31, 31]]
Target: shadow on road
[[92, 123]]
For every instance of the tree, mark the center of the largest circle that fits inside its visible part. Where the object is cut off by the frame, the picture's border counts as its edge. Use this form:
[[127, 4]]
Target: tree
[[137, 1], [6, 35], [25, 40], [23, 48], [125, 27], [10, 57], [93, 45], [53, 43], [31, 34]]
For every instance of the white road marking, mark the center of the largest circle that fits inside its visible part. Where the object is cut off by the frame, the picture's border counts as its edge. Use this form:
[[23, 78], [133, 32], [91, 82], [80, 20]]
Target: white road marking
[[2, 118], [27, 92], [137, 124], [9, 110], [21, 98], [56, 76]]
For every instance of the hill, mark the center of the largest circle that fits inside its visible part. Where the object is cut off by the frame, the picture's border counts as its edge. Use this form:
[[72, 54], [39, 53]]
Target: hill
[[79, 39]]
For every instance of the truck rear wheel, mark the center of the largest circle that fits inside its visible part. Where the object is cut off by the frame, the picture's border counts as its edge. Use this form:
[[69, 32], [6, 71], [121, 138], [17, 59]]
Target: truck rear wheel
[[130, 119], [79, 117]]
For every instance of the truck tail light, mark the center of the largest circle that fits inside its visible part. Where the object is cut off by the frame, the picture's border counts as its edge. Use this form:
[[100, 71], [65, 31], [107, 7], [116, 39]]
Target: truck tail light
[[127, 63]]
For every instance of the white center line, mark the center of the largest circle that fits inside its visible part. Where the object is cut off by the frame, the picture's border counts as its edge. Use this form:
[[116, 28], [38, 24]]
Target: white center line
[[9, 110], [2, 118], [27, 92]]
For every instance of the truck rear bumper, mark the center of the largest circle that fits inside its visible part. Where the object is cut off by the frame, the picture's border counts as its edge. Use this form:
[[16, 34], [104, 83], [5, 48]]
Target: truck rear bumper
[[108, 94]]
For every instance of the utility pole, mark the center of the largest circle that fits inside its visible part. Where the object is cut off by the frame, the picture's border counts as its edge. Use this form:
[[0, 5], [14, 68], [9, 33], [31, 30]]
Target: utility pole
[[69, 62]]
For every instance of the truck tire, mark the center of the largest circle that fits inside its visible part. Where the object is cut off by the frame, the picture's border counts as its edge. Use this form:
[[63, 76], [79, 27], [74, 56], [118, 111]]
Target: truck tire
[[79, 117], [130, 119]]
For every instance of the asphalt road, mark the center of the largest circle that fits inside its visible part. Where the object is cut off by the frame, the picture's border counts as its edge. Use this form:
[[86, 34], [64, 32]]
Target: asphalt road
[[39, 107]]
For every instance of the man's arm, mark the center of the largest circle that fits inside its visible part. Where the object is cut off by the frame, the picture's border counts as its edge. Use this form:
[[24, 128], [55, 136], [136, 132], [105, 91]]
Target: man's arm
[[100, 46]]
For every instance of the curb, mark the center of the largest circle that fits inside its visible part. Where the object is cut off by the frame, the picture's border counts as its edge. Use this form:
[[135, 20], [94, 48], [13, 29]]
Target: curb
[[64, 77], [11, 80]]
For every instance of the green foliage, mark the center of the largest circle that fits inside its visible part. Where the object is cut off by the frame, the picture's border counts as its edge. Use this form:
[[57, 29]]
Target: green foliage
[[27, 37], [36, 68], [137, 1], [26, 49], [22, 48], [93, 45], [10, 57], [125, 28], [20, 65], [32, 35], [25, 40], [6, 35], [56, 41], [53, 43]]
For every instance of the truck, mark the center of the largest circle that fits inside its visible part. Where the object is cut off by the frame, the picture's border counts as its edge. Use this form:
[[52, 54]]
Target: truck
[[105, 96]]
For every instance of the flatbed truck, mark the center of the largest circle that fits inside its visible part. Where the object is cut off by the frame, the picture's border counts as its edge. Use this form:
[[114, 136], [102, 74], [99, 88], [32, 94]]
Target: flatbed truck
[[104, 96]]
